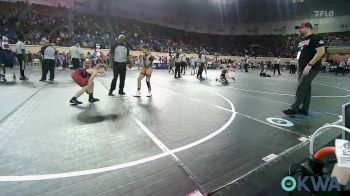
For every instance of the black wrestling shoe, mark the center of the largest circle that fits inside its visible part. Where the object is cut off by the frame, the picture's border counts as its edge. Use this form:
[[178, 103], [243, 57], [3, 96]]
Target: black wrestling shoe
[[91, 100], [304, 112], [3, 78], [121, 93], [111, 94], [290, 112], [75, 102], [23, 78], [42, 80]]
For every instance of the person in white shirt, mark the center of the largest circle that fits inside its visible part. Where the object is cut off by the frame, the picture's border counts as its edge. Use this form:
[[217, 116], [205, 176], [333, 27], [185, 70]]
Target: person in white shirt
[[276, 65], [21, 56], [49, 58], [183, 63], [140, 62], [202, 61], [206, 66], [137, 62], [61, 59], [157, 61], [178, 57], [171, 63], [246, 63], [193, 65], [76, 54]]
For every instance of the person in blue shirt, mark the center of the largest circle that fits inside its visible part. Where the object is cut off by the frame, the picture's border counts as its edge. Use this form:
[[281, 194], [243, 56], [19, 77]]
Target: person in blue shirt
[[7, 58]]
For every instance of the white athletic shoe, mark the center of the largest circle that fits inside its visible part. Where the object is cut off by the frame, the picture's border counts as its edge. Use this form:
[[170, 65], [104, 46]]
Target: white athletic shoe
[[149, 94], [138, 94]]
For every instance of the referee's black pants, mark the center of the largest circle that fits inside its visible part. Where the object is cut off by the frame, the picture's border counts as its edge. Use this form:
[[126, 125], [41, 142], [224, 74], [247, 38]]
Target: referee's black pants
[[200, 71], [177, 70], [276, 67], [48, 65], [119, 68], [303, 93], [292, 69], [20, 59], [245, 67], [76, 63]]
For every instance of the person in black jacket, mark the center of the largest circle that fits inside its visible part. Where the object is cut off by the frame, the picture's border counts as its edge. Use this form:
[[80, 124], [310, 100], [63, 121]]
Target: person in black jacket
[[7, 58]]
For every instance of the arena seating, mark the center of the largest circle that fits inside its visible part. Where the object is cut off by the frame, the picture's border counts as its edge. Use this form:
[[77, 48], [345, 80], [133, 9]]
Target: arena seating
[[52, 23]]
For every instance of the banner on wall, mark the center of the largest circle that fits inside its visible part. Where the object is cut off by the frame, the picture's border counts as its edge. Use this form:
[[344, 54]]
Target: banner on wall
[[62, 3], [338, 57], [45, 2]]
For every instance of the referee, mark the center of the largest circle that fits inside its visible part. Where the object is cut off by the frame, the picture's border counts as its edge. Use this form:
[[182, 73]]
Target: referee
[[202, 60], [76, 54], [120, 54], [276, 65], [21, 56], [178, 57], [49, 58], [311, 51]]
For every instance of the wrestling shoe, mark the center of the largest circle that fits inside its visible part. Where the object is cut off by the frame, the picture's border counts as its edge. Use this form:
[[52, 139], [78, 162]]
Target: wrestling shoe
[[75, 101], [138, 94], [91, 100], [290, 112]]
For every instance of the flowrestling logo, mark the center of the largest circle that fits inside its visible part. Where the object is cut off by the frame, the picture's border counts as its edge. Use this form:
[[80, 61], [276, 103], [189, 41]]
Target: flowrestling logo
[[321, 14], [317, 183]]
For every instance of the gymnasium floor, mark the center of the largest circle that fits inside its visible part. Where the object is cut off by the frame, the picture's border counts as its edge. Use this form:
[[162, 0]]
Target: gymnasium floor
[[191, 135]]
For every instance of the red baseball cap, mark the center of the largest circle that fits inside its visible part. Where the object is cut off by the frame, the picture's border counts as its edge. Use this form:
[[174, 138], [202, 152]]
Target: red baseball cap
[[303, 25]]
